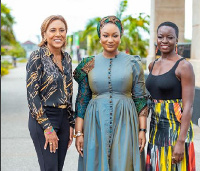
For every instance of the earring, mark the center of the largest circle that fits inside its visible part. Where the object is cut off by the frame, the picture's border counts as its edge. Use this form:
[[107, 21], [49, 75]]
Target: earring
[[176, 49], [45, 40], [99, 41], [157, 49]]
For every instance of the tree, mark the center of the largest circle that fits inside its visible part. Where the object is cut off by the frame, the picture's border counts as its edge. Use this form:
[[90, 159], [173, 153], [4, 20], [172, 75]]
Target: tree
[[132, 40], [7, 35], [17, 51], [122, 7], [90, 34], [7, 21]]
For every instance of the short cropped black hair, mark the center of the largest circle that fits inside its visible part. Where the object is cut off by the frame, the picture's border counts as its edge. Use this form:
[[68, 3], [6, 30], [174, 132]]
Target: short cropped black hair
[[170, 24]]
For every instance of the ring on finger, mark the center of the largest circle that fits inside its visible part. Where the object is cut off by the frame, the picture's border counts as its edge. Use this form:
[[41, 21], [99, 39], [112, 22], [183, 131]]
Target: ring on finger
[[50, 143]]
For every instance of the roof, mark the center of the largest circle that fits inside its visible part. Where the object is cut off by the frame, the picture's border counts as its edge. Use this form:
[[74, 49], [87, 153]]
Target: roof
[[28, 43]]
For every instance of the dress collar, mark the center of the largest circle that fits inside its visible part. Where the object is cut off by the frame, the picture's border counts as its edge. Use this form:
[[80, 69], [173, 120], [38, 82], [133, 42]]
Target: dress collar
[[48, 53]]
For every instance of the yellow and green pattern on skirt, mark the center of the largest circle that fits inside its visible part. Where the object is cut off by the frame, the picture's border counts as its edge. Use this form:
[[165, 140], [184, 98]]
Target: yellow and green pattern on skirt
[[164, 131]]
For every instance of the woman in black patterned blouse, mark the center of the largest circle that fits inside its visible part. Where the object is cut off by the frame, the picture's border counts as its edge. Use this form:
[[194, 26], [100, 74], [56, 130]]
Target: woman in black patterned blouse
[[49, 94]]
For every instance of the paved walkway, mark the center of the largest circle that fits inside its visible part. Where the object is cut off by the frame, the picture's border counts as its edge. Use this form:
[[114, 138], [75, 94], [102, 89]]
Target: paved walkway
[[17, 150]]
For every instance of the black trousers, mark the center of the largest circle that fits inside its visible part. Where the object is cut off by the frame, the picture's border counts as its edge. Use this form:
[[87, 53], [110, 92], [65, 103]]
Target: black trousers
[[59, 119]]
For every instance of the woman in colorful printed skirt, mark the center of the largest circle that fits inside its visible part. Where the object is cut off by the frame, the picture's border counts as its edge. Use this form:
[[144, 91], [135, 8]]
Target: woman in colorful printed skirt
[[171, 86], [111, 107]]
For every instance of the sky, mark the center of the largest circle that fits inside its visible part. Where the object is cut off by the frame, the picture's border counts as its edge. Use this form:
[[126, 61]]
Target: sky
[[30, 14]]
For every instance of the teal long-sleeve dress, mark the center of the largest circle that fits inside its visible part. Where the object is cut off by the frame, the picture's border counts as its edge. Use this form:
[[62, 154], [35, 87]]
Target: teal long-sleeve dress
[[111, 95]]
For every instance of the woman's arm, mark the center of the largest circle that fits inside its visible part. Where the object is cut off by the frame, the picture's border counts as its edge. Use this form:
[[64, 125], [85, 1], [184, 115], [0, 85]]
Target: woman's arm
[[83, 97], [188, 84], [79, 139], [142, 132], [69, 87], [139, 98], [33, 80]]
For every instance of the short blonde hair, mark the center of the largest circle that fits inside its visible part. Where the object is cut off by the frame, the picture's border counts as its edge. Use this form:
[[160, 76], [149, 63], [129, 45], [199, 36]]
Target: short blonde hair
[[46, 24]]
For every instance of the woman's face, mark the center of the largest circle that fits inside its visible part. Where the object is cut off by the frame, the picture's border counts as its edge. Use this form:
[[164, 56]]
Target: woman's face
[[55, 34], [166, 39], [110, 37]]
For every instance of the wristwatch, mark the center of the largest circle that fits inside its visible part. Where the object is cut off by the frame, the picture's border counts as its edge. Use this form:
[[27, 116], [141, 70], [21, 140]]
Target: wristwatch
[[145, 130]]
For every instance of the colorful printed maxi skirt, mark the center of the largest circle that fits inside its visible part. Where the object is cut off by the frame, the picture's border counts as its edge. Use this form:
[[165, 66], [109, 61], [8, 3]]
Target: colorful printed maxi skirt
[[164, 131]]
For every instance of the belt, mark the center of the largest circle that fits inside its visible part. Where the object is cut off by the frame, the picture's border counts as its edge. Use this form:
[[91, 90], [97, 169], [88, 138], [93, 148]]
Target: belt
[[111, 95], [62, 106]]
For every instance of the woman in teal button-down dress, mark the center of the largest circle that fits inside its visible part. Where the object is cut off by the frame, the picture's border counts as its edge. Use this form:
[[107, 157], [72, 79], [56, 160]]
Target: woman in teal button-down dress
[[111, 107]]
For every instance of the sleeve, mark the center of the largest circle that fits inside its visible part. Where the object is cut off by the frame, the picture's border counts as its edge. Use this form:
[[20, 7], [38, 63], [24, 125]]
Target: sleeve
[[83, 97], [84, 92], [70, 93], [33, 81], [139, 90]]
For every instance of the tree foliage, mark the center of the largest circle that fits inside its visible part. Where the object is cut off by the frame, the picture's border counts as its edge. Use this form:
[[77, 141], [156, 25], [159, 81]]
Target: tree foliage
[[7, 35], [132, 41], [7, 21], [90, 34], [122, 8], [17, 51]]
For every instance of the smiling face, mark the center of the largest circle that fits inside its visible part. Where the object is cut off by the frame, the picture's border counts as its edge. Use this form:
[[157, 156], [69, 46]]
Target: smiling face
[[110, 37], [166, 39], [55, 34]]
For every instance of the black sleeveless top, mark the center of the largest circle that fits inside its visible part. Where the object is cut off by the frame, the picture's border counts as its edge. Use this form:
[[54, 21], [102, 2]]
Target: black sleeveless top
[[165, 86]]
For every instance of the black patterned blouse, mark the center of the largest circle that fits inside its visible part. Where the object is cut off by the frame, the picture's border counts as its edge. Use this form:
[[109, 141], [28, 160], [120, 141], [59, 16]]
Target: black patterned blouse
[[48, 86]]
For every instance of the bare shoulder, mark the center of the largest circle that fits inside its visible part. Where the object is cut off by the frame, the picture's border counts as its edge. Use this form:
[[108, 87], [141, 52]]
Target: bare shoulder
[[186, 65], [185, 68], [150, 66]]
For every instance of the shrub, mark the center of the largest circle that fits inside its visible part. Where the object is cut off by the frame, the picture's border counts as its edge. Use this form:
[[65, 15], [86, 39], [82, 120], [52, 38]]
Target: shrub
[[5, 66], [4, 71]]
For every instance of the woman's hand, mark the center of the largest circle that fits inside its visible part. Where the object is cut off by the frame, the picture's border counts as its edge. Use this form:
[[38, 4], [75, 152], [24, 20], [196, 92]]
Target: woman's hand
[[71, 133], [178, 152], [52, 140], [79, 145], [142, 140]]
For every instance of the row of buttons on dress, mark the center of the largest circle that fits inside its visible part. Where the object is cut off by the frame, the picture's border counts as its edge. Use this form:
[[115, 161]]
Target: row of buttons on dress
[[111, 107]]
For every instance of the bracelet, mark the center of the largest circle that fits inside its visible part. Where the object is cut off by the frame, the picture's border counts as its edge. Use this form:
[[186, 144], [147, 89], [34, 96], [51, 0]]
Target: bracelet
[[45, 132], [145, 130], [78, 134]]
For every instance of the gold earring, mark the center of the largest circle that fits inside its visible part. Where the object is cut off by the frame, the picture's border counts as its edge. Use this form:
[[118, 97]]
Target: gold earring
[[157, 49]]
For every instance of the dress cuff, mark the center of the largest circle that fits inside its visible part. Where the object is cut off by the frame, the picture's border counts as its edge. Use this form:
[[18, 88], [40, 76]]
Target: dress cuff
[[144, 112], [141, 105], [72, 123], [44, 122]]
